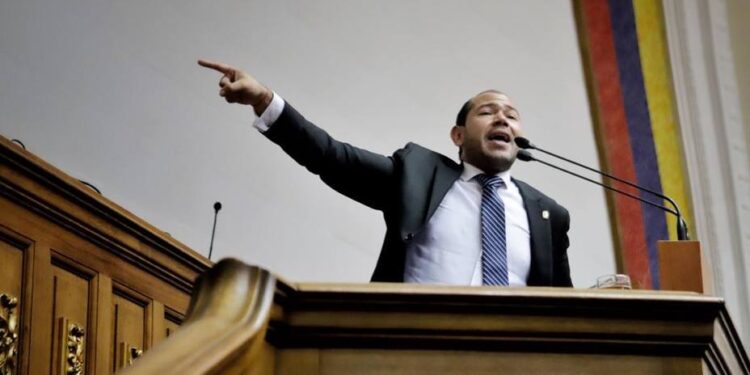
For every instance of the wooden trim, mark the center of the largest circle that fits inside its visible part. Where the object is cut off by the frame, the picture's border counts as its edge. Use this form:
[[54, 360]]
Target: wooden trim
[[392, 316], [104, 335], [318, 318], [25, 169], [130, 294], [41, 311], [158, 328], [14, 239], [468, 300], [58, 259], [173, 315]]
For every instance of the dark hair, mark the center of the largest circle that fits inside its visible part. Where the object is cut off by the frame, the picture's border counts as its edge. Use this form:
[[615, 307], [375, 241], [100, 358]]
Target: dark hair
[[461, 121], [461, 117]]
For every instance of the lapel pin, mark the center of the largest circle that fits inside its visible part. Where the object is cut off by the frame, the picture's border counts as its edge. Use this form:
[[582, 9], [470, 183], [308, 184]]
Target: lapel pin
[[545, 214]]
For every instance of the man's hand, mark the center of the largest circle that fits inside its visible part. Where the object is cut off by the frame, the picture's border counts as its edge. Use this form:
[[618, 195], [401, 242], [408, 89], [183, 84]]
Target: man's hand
[[240, 87]]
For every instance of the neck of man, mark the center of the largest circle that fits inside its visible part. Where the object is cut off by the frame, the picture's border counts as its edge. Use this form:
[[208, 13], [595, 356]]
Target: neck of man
[[490, 168]]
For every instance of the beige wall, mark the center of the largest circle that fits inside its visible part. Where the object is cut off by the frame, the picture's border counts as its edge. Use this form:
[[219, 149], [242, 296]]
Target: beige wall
[[111, 93], [739, 14]]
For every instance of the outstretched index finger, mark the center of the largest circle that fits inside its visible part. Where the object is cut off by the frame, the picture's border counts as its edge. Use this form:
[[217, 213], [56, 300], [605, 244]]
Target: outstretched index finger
[[217, 66]]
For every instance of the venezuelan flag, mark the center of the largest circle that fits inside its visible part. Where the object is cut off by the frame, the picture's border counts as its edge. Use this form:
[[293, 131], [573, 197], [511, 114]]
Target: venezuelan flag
[[626, 60]]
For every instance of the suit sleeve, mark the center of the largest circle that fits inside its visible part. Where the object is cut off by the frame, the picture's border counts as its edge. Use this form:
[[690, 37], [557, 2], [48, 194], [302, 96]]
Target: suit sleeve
[[561, 267], [362, 175]]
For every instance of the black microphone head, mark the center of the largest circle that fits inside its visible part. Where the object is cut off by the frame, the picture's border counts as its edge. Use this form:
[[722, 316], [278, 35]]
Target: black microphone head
[[523, 143], [524, 155], [217, 206]]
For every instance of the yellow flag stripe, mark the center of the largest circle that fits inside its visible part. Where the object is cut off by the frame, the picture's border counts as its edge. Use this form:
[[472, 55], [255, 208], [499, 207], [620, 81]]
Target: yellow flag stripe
[[657, 79]]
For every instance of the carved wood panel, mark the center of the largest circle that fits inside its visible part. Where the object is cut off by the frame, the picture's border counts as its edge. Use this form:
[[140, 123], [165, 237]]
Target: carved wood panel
[[71, 312], [131, 326], [10, 293], [15, 291]]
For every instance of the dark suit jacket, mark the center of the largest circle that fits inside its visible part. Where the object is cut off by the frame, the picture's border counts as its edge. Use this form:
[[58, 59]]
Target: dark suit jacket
[[407, 187]]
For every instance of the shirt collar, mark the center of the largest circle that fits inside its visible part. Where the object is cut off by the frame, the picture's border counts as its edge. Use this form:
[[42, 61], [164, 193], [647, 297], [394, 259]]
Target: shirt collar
[[471, 171]]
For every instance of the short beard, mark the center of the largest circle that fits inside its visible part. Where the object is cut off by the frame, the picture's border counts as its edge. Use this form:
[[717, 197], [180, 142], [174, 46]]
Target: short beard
[[493, 166]]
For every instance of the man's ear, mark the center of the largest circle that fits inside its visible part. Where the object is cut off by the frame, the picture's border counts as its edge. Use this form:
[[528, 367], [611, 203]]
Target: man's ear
[[457, 135]]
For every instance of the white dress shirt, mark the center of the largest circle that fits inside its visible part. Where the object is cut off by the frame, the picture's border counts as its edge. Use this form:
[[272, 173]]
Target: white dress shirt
[[448, 250], [271, 114]]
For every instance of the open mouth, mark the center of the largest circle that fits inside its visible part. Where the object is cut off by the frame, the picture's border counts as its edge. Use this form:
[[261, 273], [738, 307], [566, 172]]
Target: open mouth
[[500, 137]]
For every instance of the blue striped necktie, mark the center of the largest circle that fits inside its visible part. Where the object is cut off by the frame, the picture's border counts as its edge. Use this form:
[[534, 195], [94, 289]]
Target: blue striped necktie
[[494, 251]]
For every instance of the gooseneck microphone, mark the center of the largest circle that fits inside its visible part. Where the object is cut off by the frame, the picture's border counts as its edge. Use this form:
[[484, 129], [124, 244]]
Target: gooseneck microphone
[[217, 208], [682, 229]]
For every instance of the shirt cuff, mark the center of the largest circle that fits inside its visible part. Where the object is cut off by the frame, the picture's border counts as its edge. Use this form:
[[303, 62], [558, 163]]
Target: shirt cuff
[[271, 114]]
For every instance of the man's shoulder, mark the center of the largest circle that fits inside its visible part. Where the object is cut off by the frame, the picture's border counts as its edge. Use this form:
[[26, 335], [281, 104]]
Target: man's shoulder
[[416, 153], [412, 147]]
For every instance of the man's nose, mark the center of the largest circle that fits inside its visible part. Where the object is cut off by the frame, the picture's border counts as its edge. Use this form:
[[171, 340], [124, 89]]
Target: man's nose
[[500, 120]]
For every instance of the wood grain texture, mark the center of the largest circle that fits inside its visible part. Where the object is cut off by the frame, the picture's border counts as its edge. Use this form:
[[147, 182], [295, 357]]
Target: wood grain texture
[[681, 266], [382, 328], [77, 250], [42, 311], [399, 316], [224, 332], [129, 316], [71, 290], [158, 324], [11, 278], [43, 189], [13, 257], [418, 362], [103, 359], [172, 321]]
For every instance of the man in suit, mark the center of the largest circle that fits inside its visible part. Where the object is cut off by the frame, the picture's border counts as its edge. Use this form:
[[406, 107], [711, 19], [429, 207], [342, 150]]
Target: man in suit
[[447, 223]]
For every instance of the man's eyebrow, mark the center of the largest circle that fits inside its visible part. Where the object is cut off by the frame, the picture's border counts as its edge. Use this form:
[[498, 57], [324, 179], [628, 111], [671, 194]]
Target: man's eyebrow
[[488, 105], [506, 107]]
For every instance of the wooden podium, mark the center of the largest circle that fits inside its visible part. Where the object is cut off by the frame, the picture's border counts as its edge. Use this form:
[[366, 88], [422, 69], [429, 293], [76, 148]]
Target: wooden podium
[[243, 320]]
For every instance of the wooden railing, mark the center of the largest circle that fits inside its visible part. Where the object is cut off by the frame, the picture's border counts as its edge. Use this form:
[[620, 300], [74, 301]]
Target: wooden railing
[[225, 328]]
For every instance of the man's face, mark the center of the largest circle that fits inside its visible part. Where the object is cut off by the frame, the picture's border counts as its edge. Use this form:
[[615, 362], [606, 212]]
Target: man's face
[[487, 138]]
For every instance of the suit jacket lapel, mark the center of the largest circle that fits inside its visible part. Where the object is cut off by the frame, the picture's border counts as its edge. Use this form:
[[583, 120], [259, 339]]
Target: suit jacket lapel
[[541, 236], [424, 202], [444, 177]]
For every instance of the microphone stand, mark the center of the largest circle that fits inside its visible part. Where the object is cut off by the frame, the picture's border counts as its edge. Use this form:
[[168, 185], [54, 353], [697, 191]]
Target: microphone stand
[[682, 229], [526, 156], [217, 207]]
